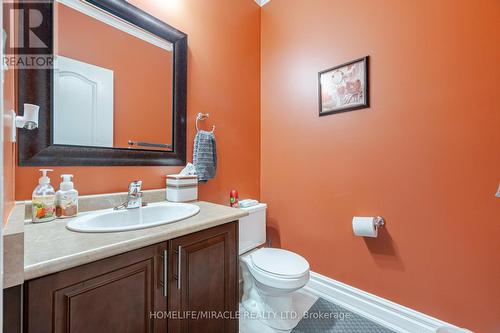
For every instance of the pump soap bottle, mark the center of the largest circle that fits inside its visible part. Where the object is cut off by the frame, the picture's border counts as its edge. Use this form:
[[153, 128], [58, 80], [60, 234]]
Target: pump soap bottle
[[44, 200], [66, 198]]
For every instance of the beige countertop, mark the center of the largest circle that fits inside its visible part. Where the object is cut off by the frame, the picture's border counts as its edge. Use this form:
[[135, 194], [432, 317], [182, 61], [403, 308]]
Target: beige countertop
[[50, 247]]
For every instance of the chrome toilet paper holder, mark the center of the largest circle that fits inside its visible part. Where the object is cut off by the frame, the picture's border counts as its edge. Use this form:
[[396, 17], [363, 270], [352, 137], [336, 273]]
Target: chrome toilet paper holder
[[379, 221]]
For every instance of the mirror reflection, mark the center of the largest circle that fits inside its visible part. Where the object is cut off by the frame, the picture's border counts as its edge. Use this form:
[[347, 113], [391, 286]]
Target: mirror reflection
[[112, 82]]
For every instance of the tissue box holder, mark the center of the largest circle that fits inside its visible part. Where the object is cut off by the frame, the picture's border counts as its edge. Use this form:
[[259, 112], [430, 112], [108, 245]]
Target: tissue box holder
[[182, 188]]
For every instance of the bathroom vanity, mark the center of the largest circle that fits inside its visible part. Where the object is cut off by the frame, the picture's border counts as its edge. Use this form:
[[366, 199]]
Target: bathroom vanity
[[138, 290], [157, 279]]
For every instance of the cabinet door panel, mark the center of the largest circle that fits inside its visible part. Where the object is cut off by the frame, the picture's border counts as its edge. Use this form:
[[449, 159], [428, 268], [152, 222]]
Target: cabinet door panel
[[208, 281], [115, 302], [116, 294]]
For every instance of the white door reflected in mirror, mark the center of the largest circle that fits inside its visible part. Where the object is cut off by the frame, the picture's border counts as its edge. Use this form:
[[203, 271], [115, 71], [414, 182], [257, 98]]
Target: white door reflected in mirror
[[83, 104]]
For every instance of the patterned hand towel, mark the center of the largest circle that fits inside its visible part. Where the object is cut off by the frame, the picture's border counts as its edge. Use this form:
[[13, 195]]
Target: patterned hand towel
[[205, 155]]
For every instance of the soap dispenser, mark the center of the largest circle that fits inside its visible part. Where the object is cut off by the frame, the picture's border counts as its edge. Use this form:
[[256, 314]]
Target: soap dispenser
[[66, 198], [44, 200]]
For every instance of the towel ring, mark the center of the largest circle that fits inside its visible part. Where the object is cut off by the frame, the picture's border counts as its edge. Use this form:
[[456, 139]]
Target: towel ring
[[203, 116]]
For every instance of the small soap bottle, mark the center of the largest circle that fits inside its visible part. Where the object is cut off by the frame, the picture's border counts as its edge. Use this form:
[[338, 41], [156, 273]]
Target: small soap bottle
[[66, 198], [44, 200]]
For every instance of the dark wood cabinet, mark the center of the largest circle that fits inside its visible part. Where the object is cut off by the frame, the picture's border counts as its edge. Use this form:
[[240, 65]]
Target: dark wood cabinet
[[12, 306], [204, 284], [126, 293], [116, 294]]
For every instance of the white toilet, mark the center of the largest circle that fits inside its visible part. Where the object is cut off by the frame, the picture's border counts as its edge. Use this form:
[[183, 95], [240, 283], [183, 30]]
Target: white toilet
[[270, 276]]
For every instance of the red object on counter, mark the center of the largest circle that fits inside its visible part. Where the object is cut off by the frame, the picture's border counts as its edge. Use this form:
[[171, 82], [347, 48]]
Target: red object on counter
[[233, 199]]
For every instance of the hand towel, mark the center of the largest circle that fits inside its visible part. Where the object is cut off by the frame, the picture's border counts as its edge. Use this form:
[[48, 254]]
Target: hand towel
[[205, 155]]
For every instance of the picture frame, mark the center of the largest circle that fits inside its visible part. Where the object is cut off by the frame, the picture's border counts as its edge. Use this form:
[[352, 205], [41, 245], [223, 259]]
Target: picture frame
[[344, 87]]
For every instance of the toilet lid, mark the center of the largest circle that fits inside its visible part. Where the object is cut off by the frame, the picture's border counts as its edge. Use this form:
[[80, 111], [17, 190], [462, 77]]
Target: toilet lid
[[280, 262]]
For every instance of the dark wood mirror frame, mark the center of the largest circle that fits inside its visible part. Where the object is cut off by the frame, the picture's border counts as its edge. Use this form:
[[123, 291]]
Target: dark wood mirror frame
[[36, 147]]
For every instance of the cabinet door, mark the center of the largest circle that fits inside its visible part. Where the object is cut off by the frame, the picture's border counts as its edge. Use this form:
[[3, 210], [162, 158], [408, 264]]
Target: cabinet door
[[117, 294], [203, 281]]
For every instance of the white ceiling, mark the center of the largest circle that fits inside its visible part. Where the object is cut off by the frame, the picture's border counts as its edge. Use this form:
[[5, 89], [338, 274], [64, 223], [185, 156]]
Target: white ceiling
[[262, 2]]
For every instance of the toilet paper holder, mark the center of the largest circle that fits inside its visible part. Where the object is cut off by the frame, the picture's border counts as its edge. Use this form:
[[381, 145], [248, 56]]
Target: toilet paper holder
[[367, 226], [379, 221]]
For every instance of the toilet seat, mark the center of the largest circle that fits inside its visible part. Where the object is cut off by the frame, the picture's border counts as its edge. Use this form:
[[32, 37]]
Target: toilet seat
[[280, 263], [278, 268]]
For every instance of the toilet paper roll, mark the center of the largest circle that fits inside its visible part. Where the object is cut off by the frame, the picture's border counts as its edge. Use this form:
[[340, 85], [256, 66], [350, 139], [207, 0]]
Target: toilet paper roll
[[365, 226]]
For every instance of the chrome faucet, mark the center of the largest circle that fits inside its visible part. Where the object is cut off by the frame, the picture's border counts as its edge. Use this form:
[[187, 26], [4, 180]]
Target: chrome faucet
[[134, 196]]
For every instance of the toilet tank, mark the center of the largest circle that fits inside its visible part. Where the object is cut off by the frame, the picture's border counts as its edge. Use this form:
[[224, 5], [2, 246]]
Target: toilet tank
[[252, 228]]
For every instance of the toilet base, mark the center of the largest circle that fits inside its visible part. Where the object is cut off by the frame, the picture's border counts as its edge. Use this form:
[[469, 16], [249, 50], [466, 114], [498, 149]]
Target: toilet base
[[276, 312], [273, 307]]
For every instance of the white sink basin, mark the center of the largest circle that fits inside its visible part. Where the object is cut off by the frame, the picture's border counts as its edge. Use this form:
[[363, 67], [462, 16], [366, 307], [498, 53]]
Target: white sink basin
[[153, 215]]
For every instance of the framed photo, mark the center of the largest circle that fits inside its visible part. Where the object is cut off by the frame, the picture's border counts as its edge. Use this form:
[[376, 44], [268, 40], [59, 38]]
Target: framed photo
[[344, 87]]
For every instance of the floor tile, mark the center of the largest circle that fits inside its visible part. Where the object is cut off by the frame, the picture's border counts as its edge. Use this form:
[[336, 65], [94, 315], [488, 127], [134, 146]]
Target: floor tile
[[320, 316], [327, 317]]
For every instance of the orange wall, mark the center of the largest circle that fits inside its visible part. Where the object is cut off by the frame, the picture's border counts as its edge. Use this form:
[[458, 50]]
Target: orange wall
[[142, 74], [9, 102], [223, 80], [425, 155], [8, 147]]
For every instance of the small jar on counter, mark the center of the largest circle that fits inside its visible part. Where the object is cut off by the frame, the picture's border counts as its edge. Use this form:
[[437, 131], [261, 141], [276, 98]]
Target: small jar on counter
[[233, 199]]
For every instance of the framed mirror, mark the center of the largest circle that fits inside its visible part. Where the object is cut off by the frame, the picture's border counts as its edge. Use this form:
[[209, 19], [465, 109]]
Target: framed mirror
[[116, 93]]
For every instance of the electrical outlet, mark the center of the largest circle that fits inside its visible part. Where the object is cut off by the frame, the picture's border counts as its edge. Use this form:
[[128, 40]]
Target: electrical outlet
[[498, 192]]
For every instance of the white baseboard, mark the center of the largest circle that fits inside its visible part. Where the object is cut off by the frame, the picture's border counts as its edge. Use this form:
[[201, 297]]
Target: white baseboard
[[384, 312]]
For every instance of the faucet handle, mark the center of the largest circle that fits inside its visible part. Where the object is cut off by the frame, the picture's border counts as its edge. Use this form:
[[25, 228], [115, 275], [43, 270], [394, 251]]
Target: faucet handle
[[135, 186]]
